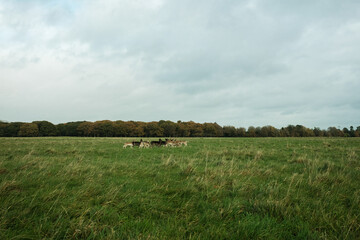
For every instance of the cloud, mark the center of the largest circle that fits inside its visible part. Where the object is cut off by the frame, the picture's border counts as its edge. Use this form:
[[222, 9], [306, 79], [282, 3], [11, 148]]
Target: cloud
[[243, 63]]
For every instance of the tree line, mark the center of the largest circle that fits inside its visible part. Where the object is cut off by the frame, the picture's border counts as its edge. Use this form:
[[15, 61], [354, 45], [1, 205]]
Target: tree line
[[163, 128]]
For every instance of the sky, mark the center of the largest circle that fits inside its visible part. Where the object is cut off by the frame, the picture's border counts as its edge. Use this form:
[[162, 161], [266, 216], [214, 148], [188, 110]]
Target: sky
[[235, 62]]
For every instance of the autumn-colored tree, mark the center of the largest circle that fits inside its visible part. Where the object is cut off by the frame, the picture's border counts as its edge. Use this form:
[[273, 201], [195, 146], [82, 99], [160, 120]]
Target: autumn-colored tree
[[273, 132], [269, 131], [357, 132], [195, 129], [130, 129], [309, 132], [104, 128], [241, 132], [120, 129], [86, 129], [163, 128], [251, 132], [219, 130], [28, 130], [139, 129], [334, 132]]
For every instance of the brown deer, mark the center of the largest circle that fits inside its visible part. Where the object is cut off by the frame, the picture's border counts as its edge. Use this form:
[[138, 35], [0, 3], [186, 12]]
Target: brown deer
[[128, 144]]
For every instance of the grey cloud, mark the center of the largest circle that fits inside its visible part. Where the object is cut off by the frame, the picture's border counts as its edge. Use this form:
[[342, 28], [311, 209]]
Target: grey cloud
[[252, 62]]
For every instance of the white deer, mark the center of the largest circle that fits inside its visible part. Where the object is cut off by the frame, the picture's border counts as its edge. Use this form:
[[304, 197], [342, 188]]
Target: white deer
[[144, 145]]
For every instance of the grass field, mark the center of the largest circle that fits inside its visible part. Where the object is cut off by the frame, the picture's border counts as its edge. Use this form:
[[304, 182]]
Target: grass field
[[217, 188]]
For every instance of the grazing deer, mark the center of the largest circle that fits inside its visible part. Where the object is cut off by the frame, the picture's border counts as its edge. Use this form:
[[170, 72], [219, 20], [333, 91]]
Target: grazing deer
[[137, 144], [182, 143], [158, 143], [171, 143], [144, 144], [128, 144]]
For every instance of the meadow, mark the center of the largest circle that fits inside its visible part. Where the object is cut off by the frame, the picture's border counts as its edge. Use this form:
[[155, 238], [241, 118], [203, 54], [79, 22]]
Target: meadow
[[215, 188]]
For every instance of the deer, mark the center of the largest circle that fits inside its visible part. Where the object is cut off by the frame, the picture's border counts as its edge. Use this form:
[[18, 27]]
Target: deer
[[128, 144], [144, 144]]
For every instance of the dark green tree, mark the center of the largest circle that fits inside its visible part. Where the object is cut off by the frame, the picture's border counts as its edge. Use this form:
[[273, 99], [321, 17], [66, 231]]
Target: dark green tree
[[229, 131], [104, 128], [318, 132], [68, 129], [152, 129], [2, 128], [352, 132], [46, 128], [120, 129], [334, 132], [28, 130], [182, 129], [169, 128], [209, 130], [241, 132], [12, 129]]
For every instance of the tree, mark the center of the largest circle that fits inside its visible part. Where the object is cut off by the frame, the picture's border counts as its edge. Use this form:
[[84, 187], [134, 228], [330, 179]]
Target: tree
[[219, 130], [139, 130], [104, 128], [196, 129], [346, 132], [182, 130], [284, 132], [273, 132], [152, 129], [68, 129], [169, 128], [357, 132], [264, 132], [334, 132], [251, 132], [46, 128], [209, 130], [12, 129], [28, 130], [269, 131], [352, 132], [229, 131], [241, 132], [318, 132], [120, 129], [2, 128], [86, 129], [301, 131]]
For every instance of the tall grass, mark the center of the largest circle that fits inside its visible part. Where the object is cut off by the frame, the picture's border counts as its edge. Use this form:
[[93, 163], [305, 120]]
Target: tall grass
[[263, 188]]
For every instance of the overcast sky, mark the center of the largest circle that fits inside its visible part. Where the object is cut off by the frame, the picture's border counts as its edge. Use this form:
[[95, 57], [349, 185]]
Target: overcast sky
[[234, 62]]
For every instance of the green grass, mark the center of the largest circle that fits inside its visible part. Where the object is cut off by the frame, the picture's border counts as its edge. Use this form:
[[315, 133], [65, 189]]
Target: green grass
[[216, 188]]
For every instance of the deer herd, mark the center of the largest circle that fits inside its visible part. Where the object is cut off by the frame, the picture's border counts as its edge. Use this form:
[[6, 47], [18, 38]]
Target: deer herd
[[147, 144]]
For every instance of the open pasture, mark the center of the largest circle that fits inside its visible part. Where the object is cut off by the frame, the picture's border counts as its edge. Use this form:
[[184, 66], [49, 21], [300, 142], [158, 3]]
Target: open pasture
[[214, 188]]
